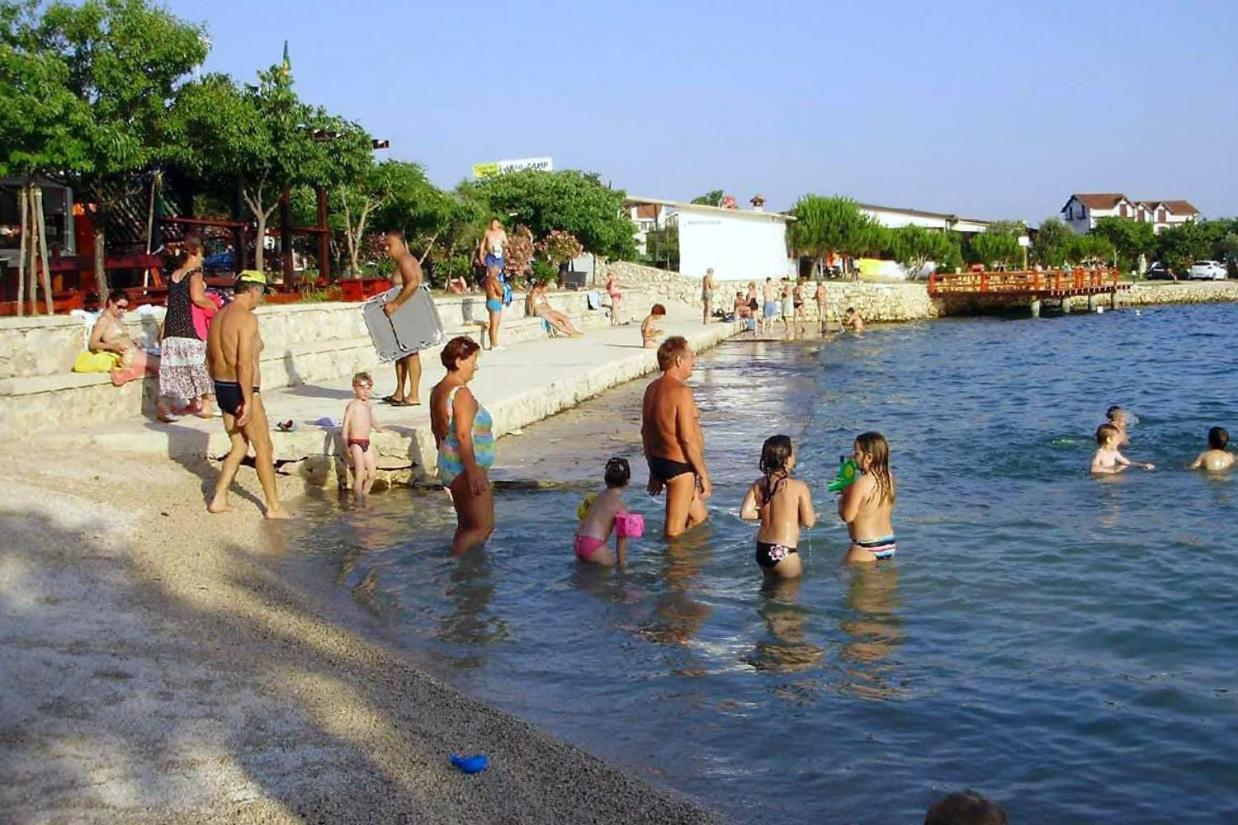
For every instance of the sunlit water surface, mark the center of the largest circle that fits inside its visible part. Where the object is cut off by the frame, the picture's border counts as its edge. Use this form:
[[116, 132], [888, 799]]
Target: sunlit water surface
[[1066, 645]]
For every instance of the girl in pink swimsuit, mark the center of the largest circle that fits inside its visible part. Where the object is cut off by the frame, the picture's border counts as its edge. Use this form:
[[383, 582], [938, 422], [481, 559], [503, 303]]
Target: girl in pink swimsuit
[[607, 513]]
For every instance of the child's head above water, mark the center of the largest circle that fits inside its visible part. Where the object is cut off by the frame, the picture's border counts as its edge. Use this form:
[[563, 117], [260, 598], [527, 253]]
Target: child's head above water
[[362, 381], [872, 455], [618, 473], [1116, 415], [658, 311], [1105, 433], [777, 455], [1218, 438]]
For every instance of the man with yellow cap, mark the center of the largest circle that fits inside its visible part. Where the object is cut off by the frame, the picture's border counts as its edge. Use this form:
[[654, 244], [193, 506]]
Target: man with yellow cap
[[233, 347]]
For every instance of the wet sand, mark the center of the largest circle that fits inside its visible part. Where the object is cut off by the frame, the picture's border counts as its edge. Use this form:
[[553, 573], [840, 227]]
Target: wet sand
[[157, 670]]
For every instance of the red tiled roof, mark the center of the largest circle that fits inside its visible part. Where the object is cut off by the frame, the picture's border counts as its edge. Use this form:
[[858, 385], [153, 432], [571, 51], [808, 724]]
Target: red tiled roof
[[1099, 200], [1180, 207]]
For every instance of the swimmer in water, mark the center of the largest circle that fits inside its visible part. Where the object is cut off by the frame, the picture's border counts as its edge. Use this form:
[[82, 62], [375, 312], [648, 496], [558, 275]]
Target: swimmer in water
[[1216, 458], [852, 320], [1107, 460], [783, 505], [1118, 419], [595, 528], [867, 504]]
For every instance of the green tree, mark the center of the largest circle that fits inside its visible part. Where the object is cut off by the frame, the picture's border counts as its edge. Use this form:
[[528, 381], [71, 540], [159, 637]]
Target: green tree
[[266, 140], [711, 198], [1090, 249], [1178, 246], [575, 202], [1129, 239], [126, 59], [42, 123], [394, 195], [995, 249], [827, 225], [914, 247], [1052, 242]]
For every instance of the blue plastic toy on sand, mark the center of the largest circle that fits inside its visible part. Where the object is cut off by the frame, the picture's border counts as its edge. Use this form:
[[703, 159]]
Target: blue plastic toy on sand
[[847, 474], [471, 764]]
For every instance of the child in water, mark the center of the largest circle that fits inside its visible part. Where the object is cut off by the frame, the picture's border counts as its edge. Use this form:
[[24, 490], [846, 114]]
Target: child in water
[[868, 502], [783, 505], [1216, 457], [1107, 460], [358, 423], [1116, 416], [649, 333], [607, 513]]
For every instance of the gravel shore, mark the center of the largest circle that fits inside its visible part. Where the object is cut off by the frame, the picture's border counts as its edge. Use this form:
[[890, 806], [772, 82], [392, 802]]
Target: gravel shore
[[157, 670]]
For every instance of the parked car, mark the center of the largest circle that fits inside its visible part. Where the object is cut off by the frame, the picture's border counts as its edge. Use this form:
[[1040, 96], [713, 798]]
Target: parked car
[[1206, 271], [1159, 272]]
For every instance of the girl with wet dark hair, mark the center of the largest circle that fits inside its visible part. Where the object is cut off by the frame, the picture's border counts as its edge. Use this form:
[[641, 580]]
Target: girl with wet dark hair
[[607, 512], [784, 507]]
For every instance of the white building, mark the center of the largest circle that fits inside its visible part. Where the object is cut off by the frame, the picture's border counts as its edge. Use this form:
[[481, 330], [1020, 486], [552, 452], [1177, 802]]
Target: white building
[[893, 217], [647, 217], [737, 244], [1084, 209]]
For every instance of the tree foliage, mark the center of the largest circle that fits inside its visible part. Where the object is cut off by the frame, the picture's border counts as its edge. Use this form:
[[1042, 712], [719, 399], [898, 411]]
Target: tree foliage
[[560, 247], [1051, 245], [266, 139], [572, 201], [915, 247], [711, 198], [995, 249], [1128, 238], [835, 224]]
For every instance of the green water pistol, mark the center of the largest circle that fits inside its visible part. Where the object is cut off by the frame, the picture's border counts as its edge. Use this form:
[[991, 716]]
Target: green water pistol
[[847, 473]]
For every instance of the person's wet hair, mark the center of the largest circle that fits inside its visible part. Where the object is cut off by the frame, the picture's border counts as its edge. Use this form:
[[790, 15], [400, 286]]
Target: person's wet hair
[[875, 446], [775, 453], [1218, 438], [965, 808], [618, 473], [1104, 432], [456, 350], [658, 309], [672, 348], [1113, 412]]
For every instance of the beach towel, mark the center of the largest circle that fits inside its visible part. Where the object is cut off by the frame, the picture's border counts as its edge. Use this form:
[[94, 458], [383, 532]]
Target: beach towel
[[88, 361], [202, 317]]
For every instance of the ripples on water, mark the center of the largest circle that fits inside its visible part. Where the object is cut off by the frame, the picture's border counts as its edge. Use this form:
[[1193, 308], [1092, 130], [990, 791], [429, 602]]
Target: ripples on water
[[1063, 644]]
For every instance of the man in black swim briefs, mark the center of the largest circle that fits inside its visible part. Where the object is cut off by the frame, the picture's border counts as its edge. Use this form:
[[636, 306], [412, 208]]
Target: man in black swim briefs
[[673, 441]]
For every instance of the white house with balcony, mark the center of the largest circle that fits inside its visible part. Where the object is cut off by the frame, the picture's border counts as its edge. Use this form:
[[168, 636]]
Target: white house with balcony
[[736, 243], [1084, 209]]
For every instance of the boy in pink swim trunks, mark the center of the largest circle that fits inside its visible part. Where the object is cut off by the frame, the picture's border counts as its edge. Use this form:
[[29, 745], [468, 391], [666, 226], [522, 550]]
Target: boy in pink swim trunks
[[607, 513]]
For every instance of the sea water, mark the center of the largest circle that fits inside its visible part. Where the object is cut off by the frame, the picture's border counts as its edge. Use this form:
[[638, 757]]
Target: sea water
[[1064, 644]]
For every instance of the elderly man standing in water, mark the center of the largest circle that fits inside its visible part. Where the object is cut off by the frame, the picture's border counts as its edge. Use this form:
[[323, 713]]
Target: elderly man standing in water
[[673, 440]]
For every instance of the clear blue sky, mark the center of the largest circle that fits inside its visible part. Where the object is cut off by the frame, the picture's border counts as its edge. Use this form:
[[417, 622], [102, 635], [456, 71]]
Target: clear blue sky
[[992, 109]]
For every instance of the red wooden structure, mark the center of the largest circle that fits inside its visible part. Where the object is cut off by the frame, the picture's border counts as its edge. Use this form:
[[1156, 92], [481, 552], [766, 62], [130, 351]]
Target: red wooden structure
[[1064, 283]]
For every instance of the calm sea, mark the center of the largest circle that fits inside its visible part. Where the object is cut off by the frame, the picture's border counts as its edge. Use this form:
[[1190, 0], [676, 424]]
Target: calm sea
[[1062, 644]]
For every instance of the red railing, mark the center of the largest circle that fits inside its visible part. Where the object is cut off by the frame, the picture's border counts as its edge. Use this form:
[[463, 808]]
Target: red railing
[[1027, 282]]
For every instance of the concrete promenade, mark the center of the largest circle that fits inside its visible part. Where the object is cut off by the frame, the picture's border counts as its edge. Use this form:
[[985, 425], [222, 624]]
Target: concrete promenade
[[520, 385]]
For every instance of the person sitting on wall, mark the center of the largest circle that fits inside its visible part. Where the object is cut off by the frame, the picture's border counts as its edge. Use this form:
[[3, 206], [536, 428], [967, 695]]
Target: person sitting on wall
[[112, 349]]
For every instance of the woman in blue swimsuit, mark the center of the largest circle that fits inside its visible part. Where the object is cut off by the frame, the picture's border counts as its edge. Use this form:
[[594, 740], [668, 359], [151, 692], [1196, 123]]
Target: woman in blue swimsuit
[[464, 435]]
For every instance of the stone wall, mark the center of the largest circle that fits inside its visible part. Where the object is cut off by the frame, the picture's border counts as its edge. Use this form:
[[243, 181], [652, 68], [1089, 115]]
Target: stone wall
[[662, 284]]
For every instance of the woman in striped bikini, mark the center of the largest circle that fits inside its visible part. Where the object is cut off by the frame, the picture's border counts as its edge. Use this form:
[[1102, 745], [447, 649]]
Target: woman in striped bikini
[[867, 504]]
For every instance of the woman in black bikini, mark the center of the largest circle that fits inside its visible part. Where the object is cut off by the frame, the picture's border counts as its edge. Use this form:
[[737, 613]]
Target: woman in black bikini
[[783, 505]]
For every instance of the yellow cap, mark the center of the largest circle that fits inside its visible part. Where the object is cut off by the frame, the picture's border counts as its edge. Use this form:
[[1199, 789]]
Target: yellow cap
[[253, 276]]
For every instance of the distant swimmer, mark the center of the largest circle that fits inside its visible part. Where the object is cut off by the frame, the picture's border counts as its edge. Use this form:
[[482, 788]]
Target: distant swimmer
[[867, 504], [1216, 457], [1108, 460], [852, 320], [1118, 418], [673, 440], [783, 505]]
